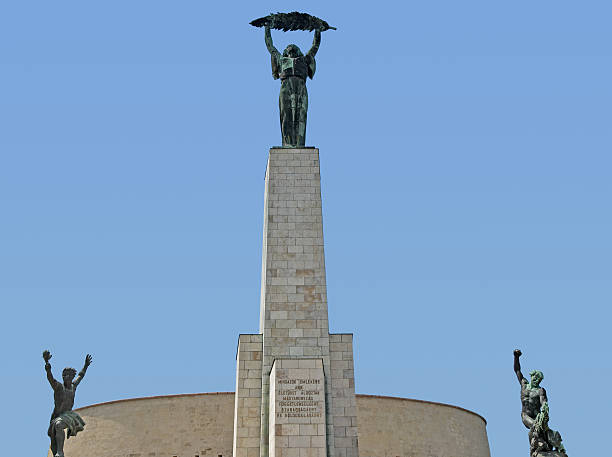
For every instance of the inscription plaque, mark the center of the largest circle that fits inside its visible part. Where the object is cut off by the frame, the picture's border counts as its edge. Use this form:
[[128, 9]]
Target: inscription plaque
[[297, 408], [299, 398]]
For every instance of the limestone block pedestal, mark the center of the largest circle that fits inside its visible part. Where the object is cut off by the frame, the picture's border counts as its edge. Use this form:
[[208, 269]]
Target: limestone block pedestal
[[294, 327]]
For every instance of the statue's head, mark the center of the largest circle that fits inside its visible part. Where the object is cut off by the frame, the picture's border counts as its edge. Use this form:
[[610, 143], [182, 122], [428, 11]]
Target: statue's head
[[536, 378], [292, 51], [68, 374]]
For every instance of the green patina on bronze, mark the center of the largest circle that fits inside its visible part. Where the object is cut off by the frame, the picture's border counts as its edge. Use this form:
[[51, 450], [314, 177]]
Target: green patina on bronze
[[63, 417], [292, 67], [543, 441]]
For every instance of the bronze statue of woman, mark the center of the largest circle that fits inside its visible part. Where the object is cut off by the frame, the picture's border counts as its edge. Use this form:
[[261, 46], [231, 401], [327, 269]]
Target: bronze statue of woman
[[292, 67]]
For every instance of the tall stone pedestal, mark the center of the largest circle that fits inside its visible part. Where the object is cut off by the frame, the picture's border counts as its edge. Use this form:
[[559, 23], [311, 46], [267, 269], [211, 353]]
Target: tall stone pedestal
[[294, 328]]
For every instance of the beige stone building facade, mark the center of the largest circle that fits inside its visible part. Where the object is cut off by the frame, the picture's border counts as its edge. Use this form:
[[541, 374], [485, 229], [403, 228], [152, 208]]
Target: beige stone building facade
[[295, 384]]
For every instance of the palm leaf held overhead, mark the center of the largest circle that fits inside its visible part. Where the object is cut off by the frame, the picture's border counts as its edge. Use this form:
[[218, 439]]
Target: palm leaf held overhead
[[292, 21]]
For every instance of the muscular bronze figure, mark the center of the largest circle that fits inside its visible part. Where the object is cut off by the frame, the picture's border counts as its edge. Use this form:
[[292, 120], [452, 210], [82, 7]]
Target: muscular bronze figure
[[542, 440], [63, 417]]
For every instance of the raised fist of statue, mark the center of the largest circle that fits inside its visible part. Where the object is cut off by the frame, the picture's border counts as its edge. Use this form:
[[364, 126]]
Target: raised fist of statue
[[517, 353], [46, 355], [88, 360]]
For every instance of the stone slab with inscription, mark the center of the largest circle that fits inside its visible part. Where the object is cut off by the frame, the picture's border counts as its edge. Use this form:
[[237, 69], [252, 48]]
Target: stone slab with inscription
[[297, 408]]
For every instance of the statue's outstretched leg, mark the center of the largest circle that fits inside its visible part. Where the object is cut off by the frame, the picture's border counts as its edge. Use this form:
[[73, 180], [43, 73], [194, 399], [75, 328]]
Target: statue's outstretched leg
[[59, 439], [53, 446], [51, 434], [527, 420]]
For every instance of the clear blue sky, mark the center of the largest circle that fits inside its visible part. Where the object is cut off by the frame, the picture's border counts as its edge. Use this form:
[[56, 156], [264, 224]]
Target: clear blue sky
[[465, 153]]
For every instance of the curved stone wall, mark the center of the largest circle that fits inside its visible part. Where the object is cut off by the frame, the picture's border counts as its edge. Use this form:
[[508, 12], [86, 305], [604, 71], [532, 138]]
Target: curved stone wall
[[201, 425], [178, 425], [400, 427]]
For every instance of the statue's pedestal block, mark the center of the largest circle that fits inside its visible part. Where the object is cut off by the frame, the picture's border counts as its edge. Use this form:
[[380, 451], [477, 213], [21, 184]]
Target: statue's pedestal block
[[312, 414], [297, 408]]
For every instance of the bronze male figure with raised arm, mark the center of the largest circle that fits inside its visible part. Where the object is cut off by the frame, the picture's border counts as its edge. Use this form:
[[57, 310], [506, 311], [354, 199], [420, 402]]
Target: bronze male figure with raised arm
[[63, 417], [543, 441]]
